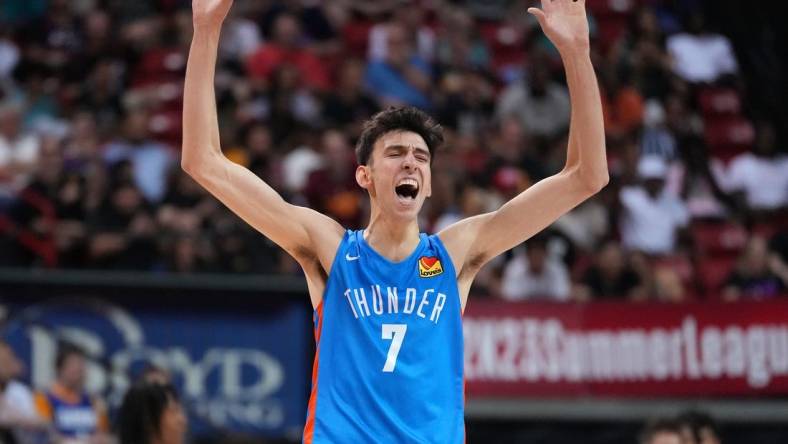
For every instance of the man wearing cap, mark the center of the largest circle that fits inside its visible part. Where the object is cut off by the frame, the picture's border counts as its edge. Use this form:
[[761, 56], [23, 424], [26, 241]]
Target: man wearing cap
[[652, 216]]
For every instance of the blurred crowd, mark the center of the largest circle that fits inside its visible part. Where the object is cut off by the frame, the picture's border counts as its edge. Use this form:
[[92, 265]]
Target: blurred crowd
[[90, 121]]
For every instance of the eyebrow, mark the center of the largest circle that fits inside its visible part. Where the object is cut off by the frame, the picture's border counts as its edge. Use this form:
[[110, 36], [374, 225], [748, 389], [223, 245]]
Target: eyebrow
[[399, 147]]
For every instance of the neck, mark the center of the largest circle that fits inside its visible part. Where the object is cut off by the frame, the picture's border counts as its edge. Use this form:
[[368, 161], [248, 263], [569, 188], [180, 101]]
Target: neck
[[394, 239]]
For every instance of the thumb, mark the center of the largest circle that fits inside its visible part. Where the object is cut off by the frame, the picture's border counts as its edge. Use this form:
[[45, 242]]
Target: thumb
[[539, 14]]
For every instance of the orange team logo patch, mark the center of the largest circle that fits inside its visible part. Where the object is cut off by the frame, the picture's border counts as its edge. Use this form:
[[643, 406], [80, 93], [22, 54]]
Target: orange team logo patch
[[429, 266]]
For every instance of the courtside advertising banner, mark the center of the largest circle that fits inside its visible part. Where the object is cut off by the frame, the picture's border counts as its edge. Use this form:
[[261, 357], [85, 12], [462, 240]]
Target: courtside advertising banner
[[240, 371], [626, 350]]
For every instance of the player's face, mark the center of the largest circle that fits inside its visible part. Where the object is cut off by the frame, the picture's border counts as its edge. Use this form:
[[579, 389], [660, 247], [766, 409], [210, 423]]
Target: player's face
[[398, 174]]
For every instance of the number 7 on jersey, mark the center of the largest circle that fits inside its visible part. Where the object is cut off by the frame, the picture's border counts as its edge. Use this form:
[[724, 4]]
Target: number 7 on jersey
[[395, 332]]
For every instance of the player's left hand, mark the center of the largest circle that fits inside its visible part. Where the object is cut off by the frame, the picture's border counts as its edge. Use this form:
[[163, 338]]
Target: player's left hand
[[565, 24]]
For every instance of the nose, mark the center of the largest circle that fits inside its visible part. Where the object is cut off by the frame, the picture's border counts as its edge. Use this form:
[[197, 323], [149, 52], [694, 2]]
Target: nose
[[409, 160]]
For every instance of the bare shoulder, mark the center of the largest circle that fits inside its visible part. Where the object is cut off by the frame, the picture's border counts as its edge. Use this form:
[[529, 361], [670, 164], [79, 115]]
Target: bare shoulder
[[317, 257], [458, 238], [324, 234]]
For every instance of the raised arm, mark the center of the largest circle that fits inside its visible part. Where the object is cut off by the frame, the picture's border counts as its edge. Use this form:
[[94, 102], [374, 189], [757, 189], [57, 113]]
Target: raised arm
[[306, 234], [474, 241]]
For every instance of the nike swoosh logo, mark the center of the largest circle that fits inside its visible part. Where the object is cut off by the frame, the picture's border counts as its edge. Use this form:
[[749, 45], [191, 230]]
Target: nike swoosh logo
[[351, 258]]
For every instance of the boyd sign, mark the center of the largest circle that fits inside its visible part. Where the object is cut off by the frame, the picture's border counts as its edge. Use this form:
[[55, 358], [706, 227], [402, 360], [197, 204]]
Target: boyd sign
[[233, 370]]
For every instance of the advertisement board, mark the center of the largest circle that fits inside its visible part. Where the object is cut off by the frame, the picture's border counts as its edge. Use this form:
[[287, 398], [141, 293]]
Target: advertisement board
[[240, 371], [626, 350]]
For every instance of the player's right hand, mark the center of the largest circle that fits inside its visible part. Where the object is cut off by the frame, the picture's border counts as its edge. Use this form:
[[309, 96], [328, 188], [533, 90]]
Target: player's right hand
[[209, 13]]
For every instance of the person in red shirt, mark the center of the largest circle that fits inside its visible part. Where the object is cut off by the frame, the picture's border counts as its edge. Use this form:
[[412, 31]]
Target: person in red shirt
[[285, 48]]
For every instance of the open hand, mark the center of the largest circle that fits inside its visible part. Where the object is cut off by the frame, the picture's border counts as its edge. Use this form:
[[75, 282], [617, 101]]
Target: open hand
[[210, 13], [565, 24]]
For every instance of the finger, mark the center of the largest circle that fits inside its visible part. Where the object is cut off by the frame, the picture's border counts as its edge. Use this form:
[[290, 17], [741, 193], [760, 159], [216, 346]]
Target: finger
[[547, 5], [539, 14]]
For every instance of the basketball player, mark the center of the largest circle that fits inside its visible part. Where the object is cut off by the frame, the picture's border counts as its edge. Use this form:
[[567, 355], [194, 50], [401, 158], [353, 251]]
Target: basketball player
[[388, 299]]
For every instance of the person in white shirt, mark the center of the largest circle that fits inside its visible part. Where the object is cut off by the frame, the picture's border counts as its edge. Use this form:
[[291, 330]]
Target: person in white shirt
[[652, 216], [19, 150], [17, 409], [700, 56], [535, 274], [761, 175]]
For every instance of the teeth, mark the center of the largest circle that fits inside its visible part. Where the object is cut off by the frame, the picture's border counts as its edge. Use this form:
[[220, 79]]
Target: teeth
[[408, 182]]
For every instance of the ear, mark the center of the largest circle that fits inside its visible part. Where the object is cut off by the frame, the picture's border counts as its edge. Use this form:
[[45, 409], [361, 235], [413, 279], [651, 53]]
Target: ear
[[363, 178]]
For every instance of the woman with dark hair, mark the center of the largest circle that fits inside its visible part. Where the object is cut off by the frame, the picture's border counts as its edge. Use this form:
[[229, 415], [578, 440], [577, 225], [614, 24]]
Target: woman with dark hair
[[151, 414]]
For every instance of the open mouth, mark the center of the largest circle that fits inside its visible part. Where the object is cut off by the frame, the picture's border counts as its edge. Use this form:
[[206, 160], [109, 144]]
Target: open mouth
[[407, 189]]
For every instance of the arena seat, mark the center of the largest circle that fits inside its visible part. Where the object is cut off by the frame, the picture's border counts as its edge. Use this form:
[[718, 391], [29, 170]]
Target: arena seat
[[714, 238], [712, 273], [716, 102], [728, 136]]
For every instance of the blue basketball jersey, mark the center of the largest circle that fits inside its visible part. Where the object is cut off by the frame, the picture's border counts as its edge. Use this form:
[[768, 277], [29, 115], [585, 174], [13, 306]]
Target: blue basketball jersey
[[73, 419], [389, 360]]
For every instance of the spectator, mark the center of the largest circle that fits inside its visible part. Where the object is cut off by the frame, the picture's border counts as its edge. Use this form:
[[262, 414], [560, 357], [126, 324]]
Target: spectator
[[409, 16], [754, 277], [402, 78], [75, 416], [610, 277], [700, 179], [699, 55], [656, 138], [778, 254], [459, 45], [9, 56], [641, 55], [18, 415], [19, 150], [241, 35], [185, 207], [762, 175], [535, 274], [622, 105], [698, 428], [586, 225], [285, 48], [661, 431], [153, 374], [468, 102], [348, 104], [541, 104], [151, 413], [667, 285], [652, 217], [332, 189], [49, 213], [150, 160], [123, 230], [511, 147]]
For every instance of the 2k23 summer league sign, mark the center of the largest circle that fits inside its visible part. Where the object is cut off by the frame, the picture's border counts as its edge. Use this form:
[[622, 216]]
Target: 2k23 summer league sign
[[235, 371], [610, 349]]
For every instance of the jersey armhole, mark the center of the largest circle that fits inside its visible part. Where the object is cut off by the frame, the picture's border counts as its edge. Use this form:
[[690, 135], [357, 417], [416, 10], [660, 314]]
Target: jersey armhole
[[343, 244]]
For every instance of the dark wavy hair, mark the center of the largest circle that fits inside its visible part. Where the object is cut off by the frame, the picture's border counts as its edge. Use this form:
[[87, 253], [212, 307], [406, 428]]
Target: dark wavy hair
[[139, 416], [398, 119]]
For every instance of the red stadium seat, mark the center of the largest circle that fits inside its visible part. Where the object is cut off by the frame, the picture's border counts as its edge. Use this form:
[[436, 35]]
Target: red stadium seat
[[713, 272], [714, 238], [355, 35], [166, 126], [728, 136], [715, 102], [505, 43], [612, 18]]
